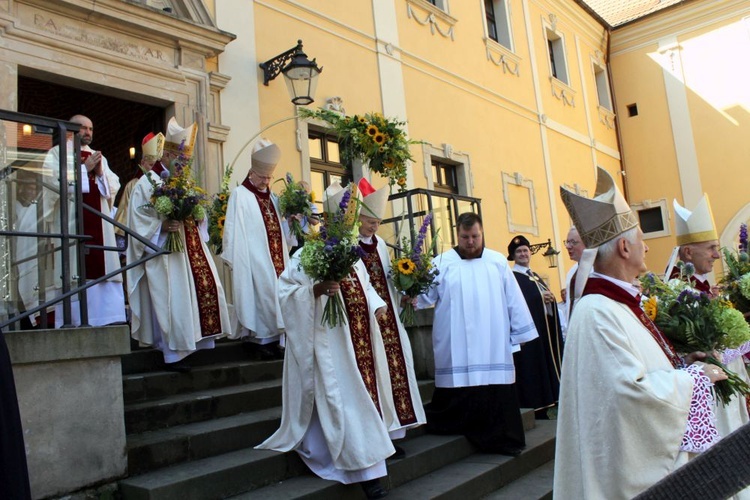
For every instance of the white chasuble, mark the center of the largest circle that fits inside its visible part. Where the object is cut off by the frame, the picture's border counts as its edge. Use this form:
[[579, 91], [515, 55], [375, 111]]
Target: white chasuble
[[255, 288], [186, 299], [480, 314], [623, 407], [321, 373]]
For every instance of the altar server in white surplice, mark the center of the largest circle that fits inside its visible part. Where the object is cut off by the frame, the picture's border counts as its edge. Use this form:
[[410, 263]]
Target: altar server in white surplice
[[481, 316], [334, 378], [176, 299], [256, 251], [407, 410], [105, 300], [631, 410]]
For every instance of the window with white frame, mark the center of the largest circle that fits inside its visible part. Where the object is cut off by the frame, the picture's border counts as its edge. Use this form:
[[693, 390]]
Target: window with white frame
[[602, 86], [653, 216], [556, 51], [440, 4], [496, 14]]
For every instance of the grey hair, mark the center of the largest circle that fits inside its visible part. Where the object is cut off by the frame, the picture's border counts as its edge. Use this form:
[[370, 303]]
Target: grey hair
[[608, 249]]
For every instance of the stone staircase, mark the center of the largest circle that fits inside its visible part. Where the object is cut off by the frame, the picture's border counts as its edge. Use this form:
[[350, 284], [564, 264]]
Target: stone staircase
[[191, 437]]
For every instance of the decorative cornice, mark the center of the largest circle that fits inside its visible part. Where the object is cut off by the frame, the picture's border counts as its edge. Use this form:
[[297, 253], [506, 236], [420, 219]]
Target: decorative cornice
[[218, 132], [433, 14], [505, 58], [606, 117], [218, 81]]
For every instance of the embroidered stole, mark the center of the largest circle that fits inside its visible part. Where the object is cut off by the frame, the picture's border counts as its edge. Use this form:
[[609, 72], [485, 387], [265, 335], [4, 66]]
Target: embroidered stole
[[92, 225], [206, 291], [391, 338], [358, 315], [273, 228], [611, 291]]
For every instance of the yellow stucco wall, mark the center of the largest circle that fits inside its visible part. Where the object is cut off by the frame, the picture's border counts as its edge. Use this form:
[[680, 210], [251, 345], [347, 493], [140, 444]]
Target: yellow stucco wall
[[705, 79]]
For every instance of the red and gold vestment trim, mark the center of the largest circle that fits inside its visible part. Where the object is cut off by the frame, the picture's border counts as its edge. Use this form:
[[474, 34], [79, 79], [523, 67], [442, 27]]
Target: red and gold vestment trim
[[206, 291]]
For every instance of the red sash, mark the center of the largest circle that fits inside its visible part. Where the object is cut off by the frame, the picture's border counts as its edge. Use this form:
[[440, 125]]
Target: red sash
[[271, 221], [358, 317], [205, 284], [618, 294], [391, 338], [92, 225]]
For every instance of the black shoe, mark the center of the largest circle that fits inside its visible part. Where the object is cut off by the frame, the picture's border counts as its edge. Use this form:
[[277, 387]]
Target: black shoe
[[179, 367], [399, 454], [510, 451], [373, 489], [265, 352]]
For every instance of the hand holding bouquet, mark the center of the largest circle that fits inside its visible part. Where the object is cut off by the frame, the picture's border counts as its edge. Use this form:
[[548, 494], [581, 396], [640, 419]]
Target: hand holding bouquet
[[295, 200], [178, 197], [413, 273], [329, 254], [693, 321]]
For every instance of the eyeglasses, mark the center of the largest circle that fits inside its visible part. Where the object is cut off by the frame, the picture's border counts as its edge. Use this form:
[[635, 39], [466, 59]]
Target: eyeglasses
[[571, 243], [262, 177]]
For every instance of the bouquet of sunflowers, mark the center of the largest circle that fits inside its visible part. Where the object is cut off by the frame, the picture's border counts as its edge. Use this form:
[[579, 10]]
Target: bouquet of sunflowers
[[693, 321], [413, 273], [217, 215], [372, 138], [178, 197], [329, 254]]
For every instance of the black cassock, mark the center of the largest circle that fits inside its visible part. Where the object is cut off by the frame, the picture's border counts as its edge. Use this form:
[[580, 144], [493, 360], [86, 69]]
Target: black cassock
[[538, 362], [14, 476]]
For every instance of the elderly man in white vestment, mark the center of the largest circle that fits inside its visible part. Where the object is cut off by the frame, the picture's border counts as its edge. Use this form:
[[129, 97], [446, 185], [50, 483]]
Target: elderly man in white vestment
[[177, 300], [337, 404], [698, 244], [256, 251], [408, 403], [631, 410], [481, 316], [105, 300], [575, 247]]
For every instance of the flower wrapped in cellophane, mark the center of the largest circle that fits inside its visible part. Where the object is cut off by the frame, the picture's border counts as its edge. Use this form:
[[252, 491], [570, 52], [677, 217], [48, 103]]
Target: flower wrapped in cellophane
[[412, 271], [218, 215], [294, 200], [330, 253], [693, 321], [178, 197]]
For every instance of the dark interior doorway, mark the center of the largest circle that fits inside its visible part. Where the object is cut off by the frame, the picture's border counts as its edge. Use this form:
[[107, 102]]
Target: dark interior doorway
[[119, 124]]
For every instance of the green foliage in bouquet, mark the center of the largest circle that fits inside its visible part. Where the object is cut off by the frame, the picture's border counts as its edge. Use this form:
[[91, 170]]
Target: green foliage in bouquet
[[217, 215]]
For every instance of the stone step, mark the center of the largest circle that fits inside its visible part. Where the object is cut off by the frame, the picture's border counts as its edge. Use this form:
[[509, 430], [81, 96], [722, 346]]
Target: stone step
[[432, 457], [247, 470], [158, 448], [536, 485], [160, 384], [146, 359], [481, 473], [200, 406]]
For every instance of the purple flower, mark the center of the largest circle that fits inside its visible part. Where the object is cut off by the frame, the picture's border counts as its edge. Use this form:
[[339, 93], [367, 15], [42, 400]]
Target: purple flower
[[743, 237], [164, 174], [289, 179], [421, 237], [689, 269], [328, 249], [345, 200]]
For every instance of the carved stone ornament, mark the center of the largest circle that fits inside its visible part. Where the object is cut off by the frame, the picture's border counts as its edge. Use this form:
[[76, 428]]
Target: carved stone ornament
[[336, 104]]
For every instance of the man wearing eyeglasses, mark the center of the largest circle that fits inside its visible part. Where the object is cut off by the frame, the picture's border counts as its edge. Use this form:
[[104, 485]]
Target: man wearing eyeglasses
[[255, 249], [575, 247]]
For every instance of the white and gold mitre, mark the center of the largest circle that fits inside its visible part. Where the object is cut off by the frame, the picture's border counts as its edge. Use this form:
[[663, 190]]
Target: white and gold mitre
[[178, 137], [603, 217], [374, 201], [153, 146], [696, 226], [265, 157]]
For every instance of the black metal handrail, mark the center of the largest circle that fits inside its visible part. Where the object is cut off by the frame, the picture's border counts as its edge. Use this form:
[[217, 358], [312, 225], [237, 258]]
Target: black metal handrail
[[410, 214], [60, 129]]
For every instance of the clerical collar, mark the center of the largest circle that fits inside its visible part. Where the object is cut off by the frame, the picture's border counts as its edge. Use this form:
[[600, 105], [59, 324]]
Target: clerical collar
[[468, 258], [251, 187], [520, 269], [628, 287], [365, 239]]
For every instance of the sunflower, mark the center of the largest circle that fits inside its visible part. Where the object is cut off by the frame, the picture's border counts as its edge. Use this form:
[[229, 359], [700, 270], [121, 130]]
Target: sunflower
[[405, 266], [312, 196], [372, 130], [220, 222], [402, 181], [361, 119], [379, 138], [224, 208], [651, 307], [223, 197]]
